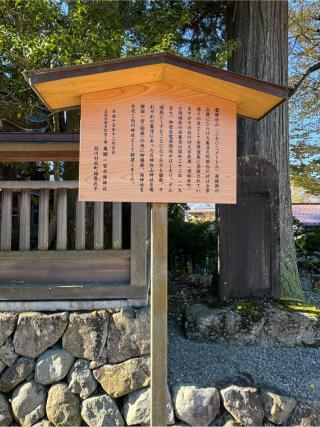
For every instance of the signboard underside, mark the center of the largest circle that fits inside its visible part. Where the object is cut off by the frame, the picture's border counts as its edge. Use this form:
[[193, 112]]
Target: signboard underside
[[157, 143]]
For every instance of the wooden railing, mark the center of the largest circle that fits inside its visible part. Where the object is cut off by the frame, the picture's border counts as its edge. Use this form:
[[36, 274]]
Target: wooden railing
[[37, 259], [26, 188]]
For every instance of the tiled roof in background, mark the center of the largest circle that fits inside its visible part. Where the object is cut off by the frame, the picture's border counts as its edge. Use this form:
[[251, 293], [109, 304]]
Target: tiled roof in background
[[307, 213]]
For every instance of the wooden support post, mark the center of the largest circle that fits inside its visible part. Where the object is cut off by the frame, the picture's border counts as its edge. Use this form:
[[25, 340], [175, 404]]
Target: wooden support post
[[98, 234], [43, 228], [25, 211], [159, 321], [6, 220], [80, 242], [62, 220], [116, 225]]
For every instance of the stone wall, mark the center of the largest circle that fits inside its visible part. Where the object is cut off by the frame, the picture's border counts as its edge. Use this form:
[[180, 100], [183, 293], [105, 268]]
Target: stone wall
[[70, 369], [244, 323]]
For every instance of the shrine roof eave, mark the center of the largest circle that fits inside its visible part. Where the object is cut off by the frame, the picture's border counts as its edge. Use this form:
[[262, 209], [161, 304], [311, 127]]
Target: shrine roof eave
[[61, 88]]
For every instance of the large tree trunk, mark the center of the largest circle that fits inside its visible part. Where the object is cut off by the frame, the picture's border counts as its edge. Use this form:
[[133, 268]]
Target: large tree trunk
[[261, 28]]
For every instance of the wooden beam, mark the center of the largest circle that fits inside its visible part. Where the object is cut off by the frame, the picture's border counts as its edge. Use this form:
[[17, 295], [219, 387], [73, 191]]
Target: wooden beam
[[64, 269], [33, 292], [25, 211], [6, 220], [43, 227], [38, 156], [38, 138], [35, 146], [98, 233], [80, 242], [116, 225], [38, 185], [62, 220], [159, 326]]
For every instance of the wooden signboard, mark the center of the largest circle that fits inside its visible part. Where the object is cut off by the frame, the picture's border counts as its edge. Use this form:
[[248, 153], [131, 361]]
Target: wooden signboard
[[157, 142]]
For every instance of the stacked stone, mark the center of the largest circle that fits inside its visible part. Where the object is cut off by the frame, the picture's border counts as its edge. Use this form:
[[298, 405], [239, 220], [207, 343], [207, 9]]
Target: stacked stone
[[94, 369], [72, 369]]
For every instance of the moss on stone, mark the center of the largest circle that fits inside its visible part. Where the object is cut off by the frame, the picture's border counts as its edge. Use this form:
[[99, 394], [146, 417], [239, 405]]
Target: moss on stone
[[249, 309], [253, 309], [300, 306]]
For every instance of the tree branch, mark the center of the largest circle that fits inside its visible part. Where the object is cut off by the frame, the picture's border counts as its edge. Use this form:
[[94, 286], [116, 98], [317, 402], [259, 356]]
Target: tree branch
[[309, 71]]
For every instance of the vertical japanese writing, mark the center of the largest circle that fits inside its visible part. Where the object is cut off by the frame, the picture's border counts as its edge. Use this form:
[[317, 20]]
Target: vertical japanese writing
[[198, 157], [95, 167], [180, 115], [170, 146], [113, 132], [105, 152], [189, 148], [217, 149], [151, 151], [142, 144], [207, 150], [161, 116], [133, 141]]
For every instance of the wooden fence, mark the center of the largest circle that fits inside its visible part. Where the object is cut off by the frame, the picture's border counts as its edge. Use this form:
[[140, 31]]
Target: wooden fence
[[98, 273]]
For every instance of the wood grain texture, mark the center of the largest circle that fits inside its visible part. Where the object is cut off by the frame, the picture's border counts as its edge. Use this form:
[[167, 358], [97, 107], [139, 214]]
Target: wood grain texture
[[65, 268], [38, 185], [25, 210], [138, 243], [263, 27], [80, 240], [178, 156], [159, 328], [62, 219], [95, 291], [35, 146], [98, 240], [43, 223], [62, 87], [250, 264], [38, 155], [6, 220], [116, 225]]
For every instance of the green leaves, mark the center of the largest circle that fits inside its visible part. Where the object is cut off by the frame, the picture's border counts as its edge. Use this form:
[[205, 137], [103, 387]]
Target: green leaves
[[304, 60], [51, 33]]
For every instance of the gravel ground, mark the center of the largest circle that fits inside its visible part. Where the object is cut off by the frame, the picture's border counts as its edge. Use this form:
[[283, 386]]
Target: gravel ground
[[291, 371]]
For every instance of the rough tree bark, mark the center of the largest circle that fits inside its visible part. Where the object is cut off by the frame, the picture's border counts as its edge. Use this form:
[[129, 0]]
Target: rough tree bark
[[261, 28]]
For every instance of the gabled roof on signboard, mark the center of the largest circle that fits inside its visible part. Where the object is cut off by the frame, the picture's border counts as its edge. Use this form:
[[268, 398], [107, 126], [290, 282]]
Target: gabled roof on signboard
[[62, 87]]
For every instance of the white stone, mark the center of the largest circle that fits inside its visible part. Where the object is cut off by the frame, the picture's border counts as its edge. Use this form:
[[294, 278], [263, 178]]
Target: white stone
[[28, 403], [101, 411], [81, 380], [196, 406], [136, 408], [52, 366]]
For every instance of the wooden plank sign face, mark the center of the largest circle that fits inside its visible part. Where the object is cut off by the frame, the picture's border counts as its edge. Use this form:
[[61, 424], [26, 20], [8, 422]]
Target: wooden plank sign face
[[157, 142]]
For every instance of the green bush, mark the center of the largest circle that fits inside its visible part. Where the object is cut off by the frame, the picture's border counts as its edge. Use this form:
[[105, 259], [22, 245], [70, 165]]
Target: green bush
[[192, 245], [307, 247]]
